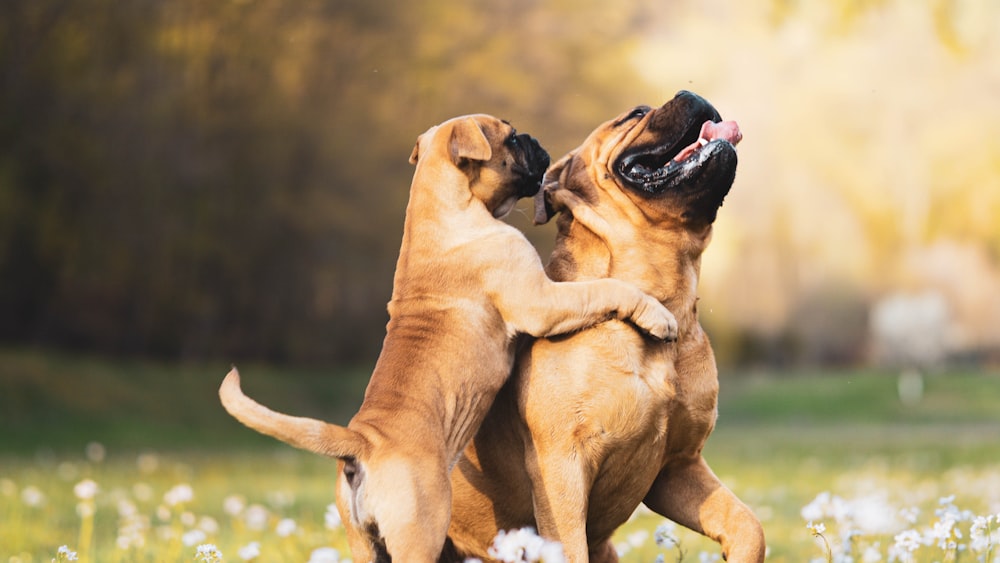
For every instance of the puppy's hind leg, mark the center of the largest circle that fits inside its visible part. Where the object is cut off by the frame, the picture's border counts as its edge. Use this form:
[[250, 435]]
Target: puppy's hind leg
[[412, 509]]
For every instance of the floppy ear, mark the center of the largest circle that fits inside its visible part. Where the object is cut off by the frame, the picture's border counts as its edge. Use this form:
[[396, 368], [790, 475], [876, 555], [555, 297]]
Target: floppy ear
[[420, 138], [553, 177], [416, 151], [469, 142]]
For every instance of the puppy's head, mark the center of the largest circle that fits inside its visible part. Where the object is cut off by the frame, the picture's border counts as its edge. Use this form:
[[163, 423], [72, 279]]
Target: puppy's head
[[676, 162], [501, 165]]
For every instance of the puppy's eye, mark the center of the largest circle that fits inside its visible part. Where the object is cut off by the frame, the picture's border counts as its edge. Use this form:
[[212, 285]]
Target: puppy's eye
[[512, 139]]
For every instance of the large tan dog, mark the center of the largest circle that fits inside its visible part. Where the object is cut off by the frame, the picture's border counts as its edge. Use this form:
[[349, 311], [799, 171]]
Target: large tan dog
[[594, 423], [466, 285]]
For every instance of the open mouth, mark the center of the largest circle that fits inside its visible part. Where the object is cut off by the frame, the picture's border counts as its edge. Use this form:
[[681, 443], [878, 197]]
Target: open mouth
[[655, 169]]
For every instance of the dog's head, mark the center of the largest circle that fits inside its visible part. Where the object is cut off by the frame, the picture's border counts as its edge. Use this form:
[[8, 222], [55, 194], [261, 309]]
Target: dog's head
[[676, 162], [501, 165]]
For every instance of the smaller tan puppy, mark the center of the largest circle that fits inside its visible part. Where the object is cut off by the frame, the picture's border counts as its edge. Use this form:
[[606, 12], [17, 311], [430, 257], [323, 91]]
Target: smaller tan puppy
[[466, 285], [594, 423]]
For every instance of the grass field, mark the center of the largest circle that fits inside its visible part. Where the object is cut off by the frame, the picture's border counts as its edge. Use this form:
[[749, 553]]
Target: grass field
[[135, 461]]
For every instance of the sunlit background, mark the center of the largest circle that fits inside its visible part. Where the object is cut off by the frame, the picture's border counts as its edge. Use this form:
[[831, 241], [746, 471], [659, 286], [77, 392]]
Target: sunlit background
[[227, 180], [189, 184]]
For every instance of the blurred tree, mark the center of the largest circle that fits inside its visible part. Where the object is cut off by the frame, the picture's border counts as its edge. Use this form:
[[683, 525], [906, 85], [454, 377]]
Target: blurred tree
[[228, 179]]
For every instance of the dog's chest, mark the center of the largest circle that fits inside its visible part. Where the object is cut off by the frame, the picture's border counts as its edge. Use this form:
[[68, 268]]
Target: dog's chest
[[637, 396]]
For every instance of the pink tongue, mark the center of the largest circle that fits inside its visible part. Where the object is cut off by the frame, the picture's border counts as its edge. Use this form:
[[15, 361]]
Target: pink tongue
[[711, 131]]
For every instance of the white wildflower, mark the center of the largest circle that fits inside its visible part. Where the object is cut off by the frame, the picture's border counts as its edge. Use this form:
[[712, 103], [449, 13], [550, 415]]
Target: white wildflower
[[32, 496], [816, 509], [979, 540], [622, 548], [132, 527], [208, 553], [256, 517], [522, 546], [906, 542], [126, 508], [85, 490], [65, 554], [816, 529], [841, 511], [286, 527], [324, 555], [193, 537], [910, 515], [873, 515], [208, 525], [872, 554], [233, 505], [178, 495], [332, 517], [552, 552], [637, 538], [665, 535], [942, 530], [250, 551]]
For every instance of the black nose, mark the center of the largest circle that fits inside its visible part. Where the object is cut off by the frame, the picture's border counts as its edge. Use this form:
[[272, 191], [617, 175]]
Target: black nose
[[538, 158]]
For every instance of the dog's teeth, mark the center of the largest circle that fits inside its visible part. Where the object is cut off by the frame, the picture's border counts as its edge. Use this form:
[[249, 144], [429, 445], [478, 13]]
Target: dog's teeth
[[702, 141]]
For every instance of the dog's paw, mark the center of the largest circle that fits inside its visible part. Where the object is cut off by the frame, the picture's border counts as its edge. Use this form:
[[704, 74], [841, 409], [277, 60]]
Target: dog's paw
[[657, 321]]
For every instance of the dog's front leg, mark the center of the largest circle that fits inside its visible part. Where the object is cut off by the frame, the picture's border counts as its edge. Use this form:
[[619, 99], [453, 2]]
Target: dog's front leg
[[559, 495], [690, 494]]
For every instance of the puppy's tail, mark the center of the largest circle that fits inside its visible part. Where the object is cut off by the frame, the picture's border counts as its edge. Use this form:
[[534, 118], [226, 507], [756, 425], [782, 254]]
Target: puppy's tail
[[306, 433]]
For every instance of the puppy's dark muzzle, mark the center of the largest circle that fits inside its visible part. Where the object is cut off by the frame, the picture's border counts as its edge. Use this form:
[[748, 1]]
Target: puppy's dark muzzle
[[532, 169]]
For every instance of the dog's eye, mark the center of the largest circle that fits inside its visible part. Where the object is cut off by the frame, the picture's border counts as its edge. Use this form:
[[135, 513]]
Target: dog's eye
[[637, 112], [512, 140]]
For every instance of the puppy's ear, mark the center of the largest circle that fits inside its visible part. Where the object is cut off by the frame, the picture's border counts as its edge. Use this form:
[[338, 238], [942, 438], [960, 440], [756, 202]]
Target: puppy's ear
[[469, 142], [416, 151], [552, 180]]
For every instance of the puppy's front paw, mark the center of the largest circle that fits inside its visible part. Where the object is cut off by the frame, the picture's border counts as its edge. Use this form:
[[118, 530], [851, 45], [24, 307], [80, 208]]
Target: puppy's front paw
[[657, 321]]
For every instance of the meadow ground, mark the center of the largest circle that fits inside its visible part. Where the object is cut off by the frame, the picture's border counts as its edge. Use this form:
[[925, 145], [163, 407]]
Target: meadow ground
[[134, 461]]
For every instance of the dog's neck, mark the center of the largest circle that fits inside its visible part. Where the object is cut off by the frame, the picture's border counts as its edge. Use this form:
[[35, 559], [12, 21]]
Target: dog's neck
[[441, 212], [441, 191]]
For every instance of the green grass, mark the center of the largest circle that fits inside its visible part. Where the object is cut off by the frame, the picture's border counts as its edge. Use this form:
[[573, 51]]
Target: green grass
[[780, 441], [59, 402]]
